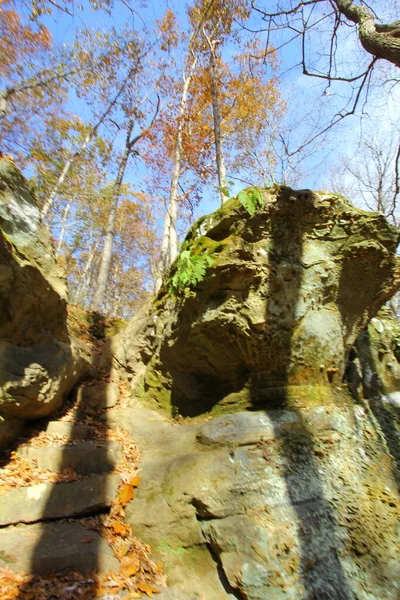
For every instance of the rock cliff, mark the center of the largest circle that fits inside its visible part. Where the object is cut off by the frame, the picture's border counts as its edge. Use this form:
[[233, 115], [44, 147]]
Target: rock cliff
[[39, 362], [262, 309], [285, 485]]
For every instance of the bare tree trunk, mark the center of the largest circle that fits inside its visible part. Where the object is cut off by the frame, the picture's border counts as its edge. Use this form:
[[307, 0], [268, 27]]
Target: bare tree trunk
[[106, 256], [169, 245], [221, 171], [164, 254], [84, 281], [63, 228], [50, 199]]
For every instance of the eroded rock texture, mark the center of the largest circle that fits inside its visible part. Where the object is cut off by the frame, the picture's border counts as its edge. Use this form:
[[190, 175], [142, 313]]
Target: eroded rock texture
[[39, 363], [271, 324], [298, 497]]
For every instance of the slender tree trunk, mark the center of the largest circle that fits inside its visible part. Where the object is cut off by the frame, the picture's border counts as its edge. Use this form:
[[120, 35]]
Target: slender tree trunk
[[50, 198], [93, 132], [106, 256], [169, 245], [221, 171], [63, 227], [83, 284], [164, 254]]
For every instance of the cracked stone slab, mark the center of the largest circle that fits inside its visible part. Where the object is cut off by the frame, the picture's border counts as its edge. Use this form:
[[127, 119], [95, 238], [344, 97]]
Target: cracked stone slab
[[53, 501], [76, 431], [86, 458], [53, 547], [103, 395]]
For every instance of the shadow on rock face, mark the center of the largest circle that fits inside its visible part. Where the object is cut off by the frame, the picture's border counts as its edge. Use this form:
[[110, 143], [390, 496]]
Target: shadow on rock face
[[39, 361]]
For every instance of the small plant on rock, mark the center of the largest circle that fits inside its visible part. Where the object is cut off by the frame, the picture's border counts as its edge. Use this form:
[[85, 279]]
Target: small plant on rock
[[251, 199], [190, 270]]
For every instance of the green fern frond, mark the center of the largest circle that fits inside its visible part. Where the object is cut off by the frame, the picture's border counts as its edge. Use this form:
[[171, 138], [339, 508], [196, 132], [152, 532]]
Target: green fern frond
[[190, 270], [251, 199]]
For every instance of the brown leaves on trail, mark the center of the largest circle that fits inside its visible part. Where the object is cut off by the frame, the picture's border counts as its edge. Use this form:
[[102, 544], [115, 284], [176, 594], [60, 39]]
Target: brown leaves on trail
[[129, 566], [71, 585], [19, 473]]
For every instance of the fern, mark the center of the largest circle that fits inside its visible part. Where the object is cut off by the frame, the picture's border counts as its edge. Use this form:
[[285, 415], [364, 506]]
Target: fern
[[250, 199], [190, 270]]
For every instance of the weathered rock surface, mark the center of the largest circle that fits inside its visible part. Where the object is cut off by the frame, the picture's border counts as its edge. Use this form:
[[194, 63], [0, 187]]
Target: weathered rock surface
[[45, 501], [84, 458], [72, 430], [39, 363], [297, 498], [273, 320], [44, 547], [276, 504], [100, 396], [377, 355]]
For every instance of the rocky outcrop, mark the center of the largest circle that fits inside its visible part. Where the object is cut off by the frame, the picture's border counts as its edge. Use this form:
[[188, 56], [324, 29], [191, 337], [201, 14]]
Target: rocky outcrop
[[298, 497], [261, 309], [275, 504], [39, 362]]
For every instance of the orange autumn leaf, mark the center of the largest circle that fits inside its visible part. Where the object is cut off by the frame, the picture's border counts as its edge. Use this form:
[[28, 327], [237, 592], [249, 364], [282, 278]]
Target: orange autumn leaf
[[134, 482], [147, 589], [121, 529], [129, 566], [125, 494]]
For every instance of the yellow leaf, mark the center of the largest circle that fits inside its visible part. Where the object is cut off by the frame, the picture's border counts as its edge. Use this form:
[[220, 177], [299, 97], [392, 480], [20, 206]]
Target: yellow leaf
[[147, 589], [129, 566], [135, 481], [125, 494], [121, 529]]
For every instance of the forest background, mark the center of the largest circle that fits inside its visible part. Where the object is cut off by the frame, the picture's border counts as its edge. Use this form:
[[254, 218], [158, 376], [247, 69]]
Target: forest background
[[131, 119]]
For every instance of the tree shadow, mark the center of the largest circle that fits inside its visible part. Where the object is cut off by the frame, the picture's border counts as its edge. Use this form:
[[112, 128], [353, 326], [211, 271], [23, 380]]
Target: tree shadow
[[320, 568], [67, 541]]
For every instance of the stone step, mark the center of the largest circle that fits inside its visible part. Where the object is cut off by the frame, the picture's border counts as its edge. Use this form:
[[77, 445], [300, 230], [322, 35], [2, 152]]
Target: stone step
[[85, 458], [57, 500], [53, 547], [98, 397], [72, 430]]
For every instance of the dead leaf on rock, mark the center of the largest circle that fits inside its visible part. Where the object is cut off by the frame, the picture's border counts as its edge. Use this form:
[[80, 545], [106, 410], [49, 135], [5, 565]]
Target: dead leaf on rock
[[129, 566], [147, 589], [121, 529], [125, 494]]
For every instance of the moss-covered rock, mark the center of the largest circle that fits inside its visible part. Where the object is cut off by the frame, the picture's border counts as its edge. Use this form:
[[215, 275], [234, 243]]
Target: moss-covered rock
[[269, 318], [39, 362]]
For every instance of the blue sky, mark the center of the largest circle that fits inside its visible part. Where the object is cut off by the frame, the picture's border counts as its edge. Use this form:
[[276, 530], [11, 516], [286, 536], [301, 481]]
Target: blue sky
[[310, 104]]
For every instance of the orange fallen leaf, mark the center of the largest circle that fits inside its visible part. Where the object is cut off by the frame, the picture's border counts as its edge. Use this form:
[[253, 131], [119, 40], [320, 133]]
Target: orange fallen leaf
[[125, 494], [133, 595], [135, 481], [147, 589], [121, 529], [129, 566]]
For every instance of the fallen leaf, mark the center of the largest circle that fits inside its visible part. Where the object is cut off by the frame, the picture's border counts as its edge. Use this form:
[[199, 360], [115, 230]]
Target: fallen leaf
[[135, 481], [87, 540], [121, 529], [129, 566], [147, 589], [133, 595], [125, 494]]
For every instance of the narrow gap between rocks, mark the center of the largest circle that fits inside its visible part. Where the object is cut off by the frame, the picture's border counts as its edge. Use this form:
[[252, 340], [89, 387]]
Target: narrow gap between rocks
[[235, 592]]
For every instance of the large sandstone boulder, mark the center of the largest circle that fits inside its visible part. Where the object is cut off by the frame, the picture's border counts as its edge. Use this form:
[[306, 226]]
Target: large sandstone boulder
[[39, 363], [297, 496], [262, 309]]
